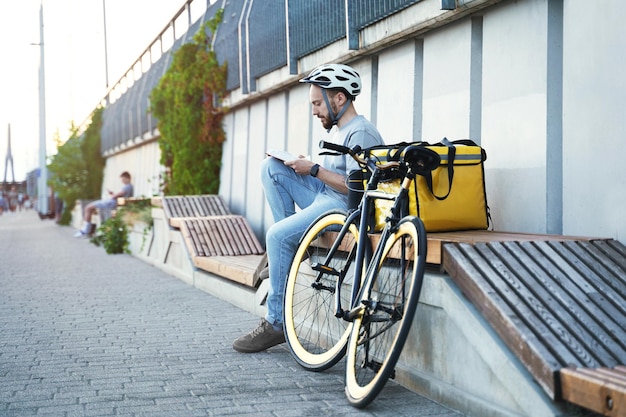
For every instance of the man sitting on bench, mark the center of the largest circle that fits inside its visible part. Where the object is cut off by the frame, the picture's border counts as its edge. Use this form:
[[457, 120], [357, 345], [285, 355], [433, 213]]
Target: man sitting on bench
[[104, 205]]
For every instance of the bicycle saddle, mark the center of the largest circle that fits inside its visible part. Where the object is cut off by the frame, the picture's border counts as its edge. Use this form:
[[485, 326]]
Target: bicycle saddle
[[421, 160]]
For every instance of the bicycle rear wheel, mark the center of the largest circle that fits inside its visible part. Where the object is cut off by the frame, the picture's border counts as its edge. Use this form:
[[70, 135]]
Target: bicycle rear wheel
[[316, 337], [388, 307]]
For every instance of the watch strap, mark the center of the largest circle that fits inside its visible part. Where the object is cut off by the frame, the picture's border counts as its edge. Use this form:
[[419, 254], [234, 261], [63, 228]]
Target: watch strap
[[314, 170]]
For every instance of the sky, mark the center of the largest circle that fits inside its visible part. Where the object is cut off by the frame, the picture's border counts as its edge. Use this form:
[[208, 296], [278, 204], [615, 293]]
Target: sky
[[75, 70]]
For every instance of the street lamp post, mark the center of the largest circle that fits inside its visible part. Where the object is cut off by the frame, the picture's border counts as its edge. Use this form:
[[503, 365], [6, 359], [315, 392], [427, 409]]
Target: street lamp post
[[42, 185], [106, 52]]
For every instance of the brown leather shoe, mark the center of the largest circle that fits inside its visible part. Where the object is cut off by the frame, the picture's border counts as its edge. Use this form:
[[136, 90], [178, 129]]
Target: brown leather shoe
[[259, 339]]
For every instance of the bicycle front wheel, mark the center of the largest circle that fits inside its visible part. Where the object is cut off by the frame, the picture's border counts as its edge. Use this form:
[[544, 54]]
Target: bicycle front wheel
[[387, 309], [316, 337]]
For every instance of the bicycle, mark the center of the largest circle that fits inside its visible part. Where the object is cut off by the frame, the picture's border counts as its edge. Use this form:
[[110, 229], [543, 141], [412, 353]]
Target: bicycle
[[344, 296]]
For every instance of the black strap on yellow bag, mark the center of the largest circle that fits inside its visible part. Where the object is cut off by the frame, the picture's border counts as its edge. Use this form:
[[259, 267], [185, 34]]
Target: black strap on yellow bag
[[450, 159]]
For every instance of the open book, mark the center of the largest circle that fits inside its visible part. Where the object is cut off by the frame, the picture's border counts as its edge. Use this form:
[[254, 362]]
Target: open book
[[281, 155]]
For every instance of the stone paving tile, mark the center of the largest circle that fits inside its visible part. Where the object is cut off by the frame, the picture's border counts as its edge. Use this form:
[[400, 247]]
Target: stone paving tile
[[84, 333]]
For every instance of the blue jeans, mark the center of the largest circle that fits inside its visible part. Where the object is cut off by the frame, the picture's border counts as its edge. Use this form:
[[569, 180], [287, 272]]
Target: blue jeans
[[284, 189]]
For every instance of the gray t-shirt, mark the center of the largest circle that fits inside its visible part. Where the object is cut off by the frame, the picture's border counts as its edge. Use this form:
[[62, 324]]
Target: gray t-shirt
[[128, 190], [358, 131], [112, 202]]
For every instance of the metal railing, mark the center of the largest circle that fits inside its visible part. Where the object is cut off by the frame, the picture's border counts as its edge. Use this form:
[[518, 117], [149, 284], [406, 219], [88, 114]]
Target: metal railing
[[254, 38]]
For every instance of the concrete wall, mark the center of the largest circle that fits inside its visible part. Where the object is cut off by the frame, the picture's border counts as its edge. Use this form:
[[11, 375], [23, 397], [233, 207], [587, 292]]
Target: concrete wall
[[537, 83]]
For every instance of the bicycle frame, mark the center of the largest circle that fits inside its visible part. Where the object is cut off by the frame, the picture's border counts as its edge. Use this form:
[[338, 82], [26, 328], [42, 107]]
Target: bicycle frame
[[387, 276], [363, 244]]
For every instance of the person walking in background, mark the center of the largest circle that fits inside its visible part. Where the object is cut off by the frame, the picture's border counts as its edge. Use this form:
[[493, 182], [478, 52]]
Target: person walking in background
[[4, 204], [105, 204], [314, 188], [13, 198], [21, 197], [58, 208]]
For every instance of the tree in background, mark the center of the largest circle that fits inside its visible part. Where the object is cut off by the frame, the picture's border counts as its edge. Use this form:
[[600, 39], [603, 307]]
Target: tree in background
[[187, 104], [77, 170]]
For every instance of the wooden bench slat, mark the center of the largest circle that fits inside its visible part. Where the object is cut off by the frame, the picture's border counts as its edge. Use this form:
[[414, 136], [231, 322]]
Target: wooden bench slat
[[195, 238], [231, 237], [607, 272], [613, 292], [209, 240], [576, 331], [569, 297], [599, 390], [607, 254]]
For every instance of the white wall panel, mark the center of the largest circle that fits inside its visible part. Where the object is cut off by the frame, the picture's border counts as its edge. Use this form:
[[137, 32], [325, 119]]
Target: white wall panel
[[257, 138], [594, 119], [396, 74], [240, 143], [299, 120], [514, 114], [447, 83]]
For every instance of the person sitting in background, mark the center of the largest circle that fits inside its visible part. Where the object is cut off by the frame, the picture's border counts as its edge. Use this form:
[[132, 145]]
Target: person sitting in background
[[105, 204]]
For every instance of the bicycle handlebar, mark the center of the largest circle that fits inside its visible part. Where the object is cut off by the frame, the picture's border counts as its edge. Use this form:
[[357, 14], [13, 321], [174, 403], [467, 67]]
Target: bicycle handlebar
[[339, 148], [354, 153]]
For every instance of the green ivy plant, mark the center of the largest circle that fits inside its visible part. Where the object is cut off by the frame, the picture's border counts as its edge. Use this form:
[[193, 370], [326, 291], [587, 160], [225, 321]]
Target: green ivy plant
[[112, 234], [187, 104]]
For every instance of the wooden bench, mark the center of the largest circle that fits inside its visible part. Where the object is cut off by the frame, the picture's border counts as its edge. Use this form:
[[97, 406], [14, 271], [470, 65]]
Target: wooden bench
[[226, 246], [177, 208], [559, 304], [217, 241]]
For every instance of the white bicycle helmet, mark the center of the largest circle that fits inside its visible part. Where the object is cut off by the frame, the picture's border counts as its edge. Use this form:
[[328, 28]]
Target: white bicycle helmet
[[336, 76]]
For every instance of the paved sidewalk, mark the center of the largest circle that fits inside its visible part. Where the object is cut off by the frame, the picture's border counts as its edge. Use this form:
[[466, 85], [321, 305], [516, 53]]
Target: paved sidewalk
[[83, 333]]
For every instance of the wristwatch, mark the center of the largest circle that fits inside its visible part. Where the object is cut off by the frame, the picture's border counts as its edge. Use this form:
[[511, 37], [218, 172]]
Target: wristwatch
[[314, 170]]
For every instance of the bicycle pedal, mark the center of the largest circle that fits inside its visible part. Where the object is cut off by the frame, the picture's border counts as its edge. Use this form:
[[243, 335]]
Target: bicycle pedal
[[325, 269]]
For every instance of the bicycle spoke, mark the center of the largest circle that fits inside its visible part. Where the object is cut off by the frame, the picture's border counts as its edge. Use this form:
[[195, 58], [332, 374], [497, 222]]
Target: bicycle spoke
[[315, 336]]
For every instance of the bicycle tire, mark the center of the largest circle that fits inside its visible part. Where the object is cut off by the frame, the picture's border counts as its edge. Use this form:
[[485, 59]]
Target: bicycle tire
[[316, 338], [381, 327]]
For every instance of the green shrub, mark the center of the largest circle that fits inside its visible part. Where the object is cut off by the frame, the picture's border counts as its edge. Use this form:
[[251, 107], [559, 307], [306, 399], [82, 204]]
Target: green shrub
[[112, 235]]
